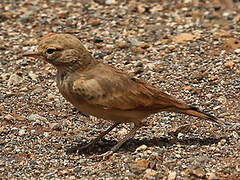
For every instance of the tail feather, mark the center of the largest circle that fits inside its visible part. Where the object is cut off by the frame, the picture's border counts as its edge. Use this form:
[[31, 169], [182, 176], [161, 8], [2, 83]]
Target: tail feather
[[194, 111]]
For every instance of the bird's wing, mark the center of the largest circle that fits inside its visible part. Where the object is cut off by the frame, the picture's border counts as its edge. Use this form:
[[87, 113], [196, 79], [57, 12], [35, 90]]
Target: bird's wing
[[114, 89]]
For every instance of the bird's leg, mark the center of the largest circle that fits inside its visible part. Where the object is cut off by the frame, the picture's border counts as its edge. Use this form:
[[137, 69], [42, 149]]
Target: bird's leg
[[120, 143], [80, 147]]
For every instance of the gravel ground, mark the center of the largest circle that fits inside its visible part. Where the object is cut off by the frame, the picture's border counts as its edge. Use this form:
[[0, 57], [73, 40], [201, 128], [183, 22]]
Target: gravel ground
[[189, 48]]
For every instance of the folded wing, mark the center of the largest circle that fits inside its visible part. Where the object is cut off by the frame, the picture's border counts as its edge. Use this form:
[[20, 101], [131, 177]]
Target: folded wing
[[110, 88]]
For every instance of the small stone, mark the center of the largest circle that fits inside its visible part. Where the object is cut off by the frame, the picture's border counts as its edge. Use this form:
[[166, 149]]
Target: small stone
[[229, 64], [139, 64], [36, 117], [149, 173], [136, 169], [9, 117], [134, 41], [209, 95], [198, 172], [108, 48], [109, 58], [27, 17], [31, 42], [55, 126], [211, 176], [144, 163], [21, 132], [138, 50], [14, 80], [97, 39], [222, 99], [235, 135], [94, 22], [77, 169], [3, 130], [178, 155], [184, 37], [71, 177], [237, 51], [33, 76], [141, 148], [172, 175], [46, 134], [222, 142], [109, 2], [122, 44], [122, 132], [51, 97], [217, 107], [227, 13], [138, 70], [180, 135], [63, 14], [144, 45]]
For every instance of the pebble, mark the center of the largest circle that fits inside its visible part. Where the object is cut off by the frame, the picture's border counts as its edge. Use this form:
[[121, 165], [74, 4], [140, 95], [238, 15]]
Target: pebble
[[55, 126], [97, 39], [198, 172], [141, 148], [110, 2], [180, 135], [138, 70], [211, 176], [36, 117], [14, 80], [22, 132], [222, 142], [9, 117], [46, 134], [222, 99], [172, 175], [235, 135], [27, 17], [209, 96], [94, 22], [33, 76], [149, 173], [229, 64], [134, 41], [237, 51], [139, 64], [143, 163], [122, 44]]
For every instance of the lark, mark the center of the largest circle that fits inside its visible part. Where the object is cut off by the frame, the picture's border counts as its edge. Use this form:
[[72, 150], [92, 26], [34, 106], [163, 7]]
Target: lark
[[103, 91]]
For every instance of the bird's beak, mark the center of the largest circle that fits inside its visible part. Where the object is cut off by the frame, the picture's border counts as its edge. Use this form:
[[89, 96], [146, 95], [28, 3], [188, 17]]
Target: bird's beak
[[31, 54]]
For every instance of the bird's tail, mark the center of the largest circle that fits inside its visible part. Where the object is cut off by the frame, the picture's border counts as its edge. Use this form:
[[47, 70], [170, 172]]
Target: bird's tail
[[194, 111]]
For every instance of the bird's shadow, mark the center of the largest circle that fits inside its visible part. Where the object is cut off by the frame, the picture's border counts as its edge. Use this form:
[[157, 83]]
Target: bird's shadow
[[132, 144]]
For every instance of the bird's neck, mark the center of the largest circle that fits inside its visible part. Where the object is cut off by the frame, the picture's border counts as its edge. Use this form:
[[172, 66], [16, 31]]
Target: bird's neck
[[77, 65]]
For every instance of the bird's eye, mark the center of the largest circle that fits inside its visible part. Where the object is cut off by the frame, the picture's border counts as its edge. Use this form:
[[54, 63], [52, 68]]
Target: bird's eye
[[50, 51]]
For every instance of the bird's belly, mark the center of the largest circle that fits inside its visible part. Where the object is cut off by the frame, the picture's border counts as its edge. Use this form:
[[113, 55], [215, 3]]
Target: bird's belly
[[117, 115]]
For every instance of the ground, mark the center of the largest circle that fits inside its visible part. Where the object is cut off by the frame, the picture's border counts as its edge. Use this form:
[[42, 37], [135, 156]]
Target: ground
[[189, 49]]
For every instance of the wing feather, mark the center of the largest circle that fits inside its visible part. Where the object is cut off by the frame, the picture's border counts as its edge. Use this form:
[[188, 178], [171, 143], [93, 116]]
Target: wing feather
[[116, 91], [113, 89]]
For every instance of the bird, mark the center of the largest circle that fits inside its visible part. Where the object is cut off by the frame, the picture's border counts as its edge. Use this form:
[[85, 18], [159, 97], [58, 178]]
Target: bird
[[104, 91]]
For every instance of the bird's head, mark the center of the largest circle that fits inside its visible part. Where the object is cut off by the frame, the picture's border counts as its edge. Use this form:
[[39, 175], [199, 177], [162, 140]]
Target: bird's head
[[63, 51]]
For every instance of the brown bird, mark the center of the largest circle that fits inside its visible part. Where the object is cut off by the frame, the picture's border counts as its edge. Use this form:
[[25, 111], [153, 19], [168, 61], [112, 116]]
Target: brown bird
[[103, 91]]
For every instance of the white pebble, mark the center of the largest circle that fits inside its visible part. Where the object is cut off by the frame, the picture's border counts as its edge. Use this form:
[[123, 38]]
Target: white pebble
[[21, 132]]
